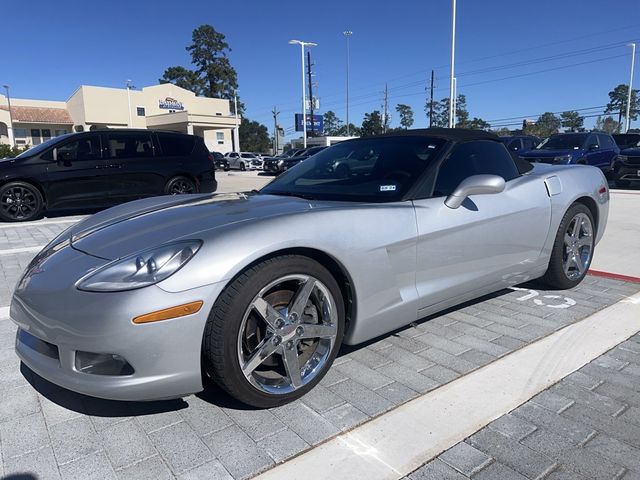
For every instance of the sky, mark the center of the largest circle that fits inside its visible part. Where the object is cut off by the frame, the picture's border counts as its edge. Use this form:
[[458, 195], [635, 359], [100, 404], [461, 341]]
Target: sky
[[514, 59]]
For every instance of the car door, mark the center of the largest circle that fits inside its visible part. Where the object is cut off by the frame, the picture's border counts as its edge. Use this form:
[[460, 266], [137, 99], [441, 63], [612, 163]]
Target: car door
[[608, 150], [77, 174], [133, 166], [594, 154], [234, 160], [491, 240]]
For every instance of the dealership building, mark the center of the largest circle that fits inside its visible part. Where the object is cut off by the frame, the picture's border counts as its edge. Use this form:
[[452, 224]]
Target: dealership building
[[160, 107]]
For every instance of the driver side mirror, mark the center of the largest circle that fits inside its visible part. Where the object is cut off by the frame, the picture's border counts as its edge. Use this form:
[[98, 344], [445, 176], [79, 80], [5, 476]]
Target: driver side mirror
[[593, 146], [475, 185]]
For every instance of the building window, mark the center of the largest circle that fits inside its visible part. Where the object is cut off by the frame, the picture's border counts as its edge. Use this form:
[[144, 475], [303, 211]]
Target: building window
[[220, 138], [59, 132], [35, 136], [140, 111], [20, 133], [46, 134]]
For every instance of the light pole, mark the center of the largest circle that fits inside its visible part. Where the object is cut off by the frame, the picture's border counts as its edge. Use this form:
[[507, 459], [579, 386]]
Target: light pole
[[12, 140], [236, 132], [347, 34], [453, 53], [633, 58], [129, 86], [455, 101], [304, 98]]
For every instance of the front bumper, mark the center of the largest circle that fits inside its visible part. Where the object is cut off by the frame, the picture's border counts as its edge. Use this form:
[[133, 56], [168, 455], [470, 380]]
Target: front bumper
[[165, 355], [629, 172], [272, 167]]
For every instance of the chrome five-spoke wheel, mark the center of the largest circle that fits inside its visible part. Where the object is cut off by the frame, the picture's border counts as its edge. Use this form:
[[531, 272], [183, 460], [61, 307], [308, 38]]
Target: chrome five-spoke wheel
[[578, 246], [275, 330], [287, 334]]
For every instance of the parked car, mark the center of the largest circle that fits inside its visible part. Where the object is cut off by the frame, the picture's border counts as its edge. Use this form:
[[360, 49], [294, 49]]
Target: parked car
[[627, 140], [520, 143], [102, 168], [590, 148], [282, 164], [185, 293], [220, 161], [626, 167], [243, 161]]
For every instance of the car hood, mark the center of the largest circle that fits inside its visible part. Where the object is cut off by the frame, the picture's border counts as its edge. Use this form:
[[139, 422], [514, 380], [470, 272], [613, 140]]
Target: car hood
[[632, 152], [549, 153], [136, 226]]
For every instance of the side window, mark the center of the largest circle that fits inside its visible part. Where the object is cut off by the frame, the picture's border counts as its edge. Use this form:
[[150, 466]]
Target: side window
[[87, 148], [527, 144], [130, 145], [592, 140], [514, 145], [175, 145], [605, 141], [473, 158]]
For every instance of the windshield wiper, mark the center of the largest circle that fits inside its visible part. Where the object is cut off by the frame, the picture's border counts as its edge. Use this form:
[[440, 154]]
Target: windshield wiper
[[293, 194]]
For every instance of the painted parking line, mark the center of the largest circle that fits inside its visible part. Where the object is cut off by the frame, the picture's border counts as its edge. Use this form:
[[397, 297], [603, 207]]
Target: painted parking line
[[396, 443], [13, 251], [37, 224]]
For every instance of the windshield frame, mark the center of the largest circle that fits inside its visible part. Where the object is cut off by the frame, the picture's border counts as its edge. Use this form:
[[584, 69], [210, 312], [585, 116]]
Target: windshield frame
[[415, 190]]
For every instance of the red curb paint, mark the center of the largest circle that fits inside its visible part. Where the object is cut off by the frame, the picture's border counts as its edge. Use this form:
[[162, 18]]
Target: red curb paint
[[614, 276]]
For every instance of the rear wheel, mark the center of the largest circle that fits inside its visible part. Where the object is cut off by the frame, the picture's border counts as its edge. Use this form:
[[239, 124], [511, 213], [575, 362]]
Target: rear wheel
[[572, 250], [274, 331], [180, 185], [20, 202], [242, 166]]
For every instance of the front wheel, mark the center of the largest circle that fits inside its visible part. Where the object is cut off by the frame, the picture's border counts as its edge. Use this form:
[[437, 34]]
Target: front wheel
[[572, 250], [274, 331], [242, 166]]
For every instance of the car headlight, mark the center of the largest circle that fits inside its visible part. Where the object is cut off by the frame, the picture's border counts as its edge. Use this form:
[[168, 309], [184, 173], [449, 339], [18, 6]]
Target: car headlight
[[280, 163], [562, 159], [623, 158], [142, 269]]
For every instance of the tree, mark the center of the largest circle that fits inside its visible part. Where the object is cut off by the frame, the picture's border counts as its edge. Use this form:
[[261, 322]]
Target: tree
[[332, 124], [618, 103], [441, 112], [607, 125], [503, 132], [406, 115], [477, 124], [183, 78], [372, 124], [572, 120], [254, 137], [213, 76], [353, 131], [547, 124], [7, 151]]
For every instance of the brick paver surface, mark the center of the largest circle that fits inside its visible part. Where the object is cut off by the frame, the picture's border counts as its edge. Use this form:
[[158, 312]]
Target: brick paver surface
[[585, 426], [591, 419]]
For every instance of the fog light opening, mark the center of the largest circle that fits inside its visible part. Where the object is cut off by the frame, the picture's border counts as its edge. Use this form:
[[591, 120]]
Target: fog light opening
[[102, 364]]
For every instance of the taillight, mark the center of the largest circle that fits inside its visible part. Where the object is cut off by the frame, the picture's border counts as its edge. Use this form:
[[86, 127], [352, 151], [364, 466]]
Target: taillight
[[211, 159], [602, 190]]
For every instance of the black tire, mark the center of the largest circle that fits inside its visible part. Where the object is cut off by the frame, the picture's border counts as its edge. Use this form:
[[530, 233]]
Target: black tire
[[220, 341], [20, 202], [555, 276], [180, 185], [242, 167]]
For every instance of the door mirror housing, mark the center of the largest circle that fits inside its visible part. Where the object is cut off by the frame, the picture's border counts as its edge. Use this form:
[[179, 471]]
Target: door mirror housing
[[475, 185], [593, 146]]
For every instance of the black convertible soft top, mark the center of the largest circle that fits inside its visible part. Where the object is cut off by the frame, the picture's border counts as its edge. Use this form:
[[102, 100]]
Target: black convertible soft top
[[453, 134]]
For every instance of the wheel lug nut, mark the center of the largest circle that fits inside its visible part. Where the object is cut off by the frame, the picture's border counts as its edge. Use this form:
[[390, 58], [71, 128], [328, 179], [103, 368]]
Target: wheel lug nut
[[276, 340], [299, 331], [293, 317], [279, 323], [290, 345]]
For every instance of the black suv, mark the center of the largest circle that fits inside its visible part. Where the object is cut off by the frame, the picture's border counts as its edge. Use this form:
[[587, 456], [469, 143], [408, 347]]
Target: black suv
[[98, 169]]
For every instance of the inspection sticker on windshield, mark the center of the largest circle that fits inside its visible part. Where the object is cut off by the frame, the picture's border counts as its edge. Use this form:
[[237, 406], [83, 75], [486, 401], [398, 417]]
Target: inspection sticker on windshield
[[387, 188]]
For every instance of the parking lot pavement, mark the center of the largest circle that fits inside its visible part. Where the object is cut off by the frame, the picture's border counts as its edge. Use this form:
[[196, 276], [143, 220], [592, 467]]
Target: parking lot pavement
[[237, 181], [55, 433], [585, 426], [618, 250]]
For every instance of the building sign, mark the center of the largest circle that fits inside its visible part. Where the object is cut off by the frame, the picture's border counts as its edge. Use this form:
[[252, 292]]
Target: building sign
[[170, 103], [318, 123]]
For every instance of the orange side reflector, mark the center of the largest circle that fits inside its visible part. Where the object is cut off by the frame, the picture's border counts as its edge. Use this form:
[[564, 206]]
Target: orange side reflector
[[167, 313]]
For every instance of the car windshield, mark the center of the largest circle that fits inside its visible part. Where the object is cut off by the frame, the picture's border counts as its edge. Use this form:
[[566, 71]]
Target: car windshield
[[368, 170], [626, 140], [43, 146], [248, 155], [568, 141]]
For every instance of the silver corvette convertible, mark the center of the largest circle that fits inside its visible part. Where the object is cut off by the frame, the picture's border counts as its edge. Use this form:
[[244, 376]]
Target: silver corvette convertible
[[257, 291]]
